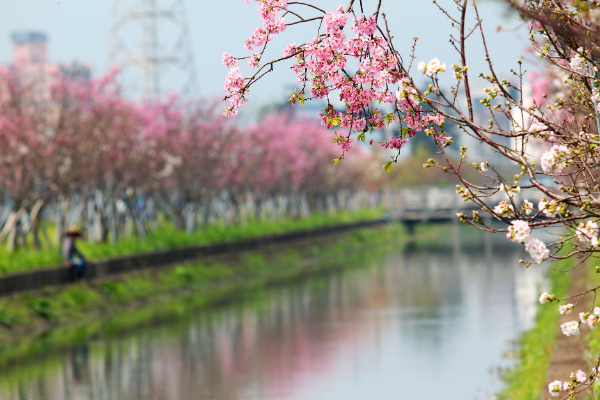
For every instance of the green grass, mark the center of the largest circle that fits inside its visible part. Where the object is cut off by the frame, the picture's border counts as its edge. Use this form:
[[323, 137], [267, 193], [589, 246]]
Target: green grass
[[167, 237], [527, 378]]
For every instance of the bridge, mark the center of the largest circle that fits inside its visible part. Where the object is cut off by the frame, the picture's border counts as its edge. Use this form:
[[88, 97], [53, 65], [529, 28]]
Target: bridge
[[413, 206]]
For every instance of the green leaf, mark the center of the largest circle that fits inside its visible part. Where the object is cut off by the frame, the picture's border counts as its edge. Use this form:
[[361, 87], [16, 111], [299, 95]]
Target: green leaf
[[336, 160], [337, 121], [388, 166]]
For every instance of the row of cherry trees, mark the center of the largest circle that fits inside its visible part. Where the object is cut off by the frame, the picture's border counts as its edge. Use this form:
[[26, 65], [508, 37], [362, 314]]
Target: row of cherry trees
[[77, 152]]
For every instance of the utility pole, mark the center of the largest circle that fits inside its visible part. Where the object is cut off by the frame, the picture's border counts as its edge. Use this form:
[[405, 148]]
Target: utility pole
[[151, 39]]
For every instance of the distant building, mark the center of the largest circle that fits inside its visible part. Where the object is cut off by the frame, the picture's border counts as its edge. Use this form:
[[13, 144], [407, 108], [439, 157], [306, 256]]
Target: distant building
[[29, 47], [30, 53], [30, 63]]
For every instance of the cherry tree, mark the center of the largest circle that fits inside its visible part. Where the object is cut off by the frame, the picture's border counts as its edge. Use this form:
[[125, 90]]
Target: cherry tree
[[550, 142]]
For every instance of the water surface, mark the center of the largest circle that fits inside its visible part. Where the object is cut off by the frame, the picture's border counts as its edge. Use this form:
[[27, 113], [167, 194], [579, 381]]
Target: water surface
[[426, 323]]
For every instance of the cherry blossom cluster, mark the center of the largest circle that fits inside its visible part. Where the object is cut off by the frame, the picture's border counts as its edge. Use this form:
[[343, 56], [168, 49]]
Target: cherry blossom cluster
[[321, 69], [590, 318], [555, 159], [577, 379], [273, 24], [588, 232], [432, 67], [545, 297]]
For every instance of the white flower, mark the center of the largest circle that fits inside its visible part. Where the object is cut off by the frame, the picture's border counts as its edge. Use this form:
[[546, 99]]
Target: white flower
[[545, 207], [576, 64], [554, 159], [592, 320], [483, 167], [554, 388], [431, 68], [570, 328], [583, 316], [527, 207], [580, 376], [519, 231], [536, 249], [545, 297], [566, 309], [586, 232], [547, 160], [597, 311], [538, 127], [504, 209]]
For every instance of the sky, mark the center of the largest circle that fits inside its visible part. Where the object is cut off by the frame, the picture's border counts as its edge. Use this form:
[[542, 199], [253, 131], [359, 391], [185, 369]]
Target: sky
[[79, 30]]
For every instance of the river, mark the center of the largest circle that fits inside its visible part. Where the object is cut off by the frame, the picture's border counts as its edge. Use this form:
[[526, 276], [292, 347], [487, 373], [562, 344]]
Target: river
[[422, 323]]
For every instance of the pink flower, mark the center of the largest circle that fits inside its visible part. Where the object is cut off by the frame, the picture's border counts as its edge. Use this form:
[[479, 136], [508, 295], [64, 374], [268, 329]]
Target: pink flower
[[394, 143], [254, 60], [335, 20], [228, 60]]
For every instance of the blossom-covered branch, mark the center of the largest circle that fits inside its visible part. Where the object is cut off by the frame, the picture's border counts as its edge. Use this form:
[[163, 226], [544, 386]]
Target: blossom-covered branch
[[547, 143]]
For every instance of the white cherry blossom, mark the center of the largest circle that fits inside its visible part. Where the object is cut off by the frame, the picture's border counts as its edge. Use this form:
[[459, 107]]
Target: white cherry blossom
[[554, 388], [519, 231], [537, 250], [570, 328]]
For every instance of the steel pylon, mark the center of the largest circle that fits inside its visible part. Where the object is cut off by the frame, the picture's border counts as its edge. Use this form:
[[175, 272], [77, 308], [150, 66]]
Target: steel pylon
[[151, 41]]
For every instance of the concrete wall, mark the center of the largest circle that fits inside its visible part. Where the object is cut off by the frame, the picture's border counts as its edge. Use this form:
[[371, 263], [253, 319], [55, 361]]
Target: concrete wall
[[47, 277]]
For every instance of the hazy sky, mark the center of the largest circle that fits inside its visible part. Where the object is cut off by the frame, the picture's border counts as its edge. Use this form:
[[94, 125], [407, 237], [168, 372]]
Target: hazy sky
[[79, 30]]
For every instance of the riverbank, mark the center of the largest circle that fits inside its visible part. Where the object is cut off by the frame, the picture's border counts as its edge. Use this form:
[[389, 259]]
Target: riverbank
[[168, 238], [536, 346], [33, 324], [59, 276]]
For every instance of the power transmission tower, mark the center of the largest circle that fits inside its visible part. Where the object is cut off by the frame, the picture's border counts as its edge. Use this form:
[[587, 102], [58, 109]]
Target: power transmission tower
[[150, 39]]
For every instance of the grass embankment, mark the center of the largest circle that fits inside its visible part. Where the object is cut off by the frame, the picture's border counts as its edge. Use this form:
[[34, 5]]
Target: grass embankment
[[527, 378], [593, 335], [167, 237], [35, 323]]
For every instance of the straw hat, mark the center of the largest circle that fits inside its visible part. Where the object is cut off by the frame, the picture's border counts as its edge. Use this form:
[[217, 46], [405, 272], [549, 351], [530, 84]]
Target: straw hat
[[73, 231]]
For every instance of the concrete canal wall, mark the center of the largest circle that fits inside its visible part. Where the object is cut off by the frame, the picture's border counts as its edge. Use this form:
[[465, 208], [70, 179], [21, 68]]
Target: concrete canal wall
[[60, 275]]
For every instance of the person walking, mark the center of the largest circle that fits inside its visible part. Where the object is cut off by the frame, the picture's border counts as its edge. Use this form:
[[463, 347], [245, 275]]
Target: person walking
[[72, 256]]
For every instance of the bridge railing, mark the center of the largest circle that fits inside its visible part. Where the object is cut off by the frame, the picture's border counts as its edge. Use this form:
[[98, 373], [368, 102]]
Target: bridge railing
[[436, 200]]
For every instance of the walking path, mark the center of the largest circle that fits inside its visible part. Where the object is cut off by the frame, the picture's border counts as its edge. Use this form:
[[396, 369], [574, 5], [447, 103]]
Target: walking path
[[569, 353]]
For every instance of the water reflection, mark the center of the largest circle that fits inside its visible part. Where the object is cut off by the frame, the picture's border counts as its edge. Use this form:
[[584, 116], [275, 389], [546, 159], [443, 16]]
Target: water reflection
[[408, 325]]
